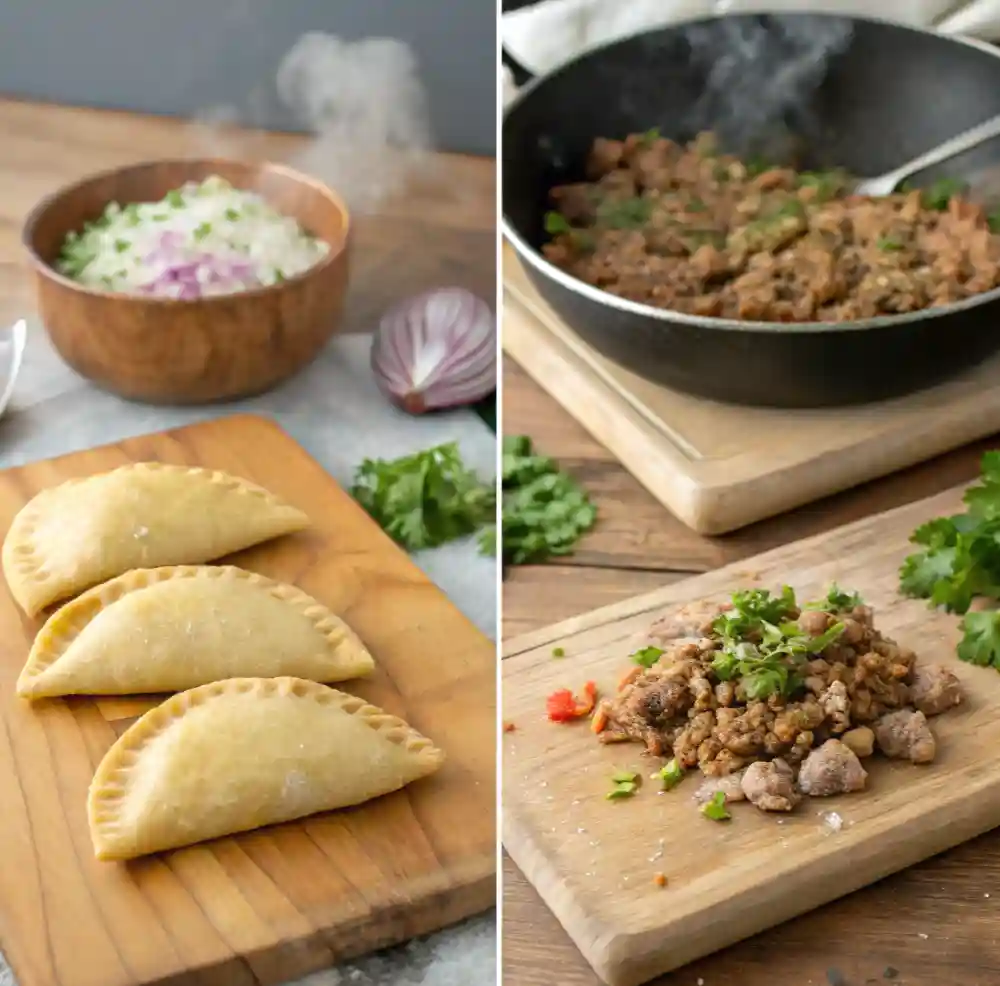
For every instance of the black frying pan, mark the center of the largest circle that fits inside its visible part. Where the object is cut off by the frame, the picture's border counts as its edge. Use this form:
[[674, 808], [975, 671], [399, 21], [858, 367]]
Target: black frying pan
[[856, 93]]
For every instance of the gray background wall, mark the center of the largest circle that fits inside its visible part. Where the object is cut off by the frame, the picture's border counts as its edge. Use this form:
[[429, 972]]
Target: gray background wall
[[180, 56]]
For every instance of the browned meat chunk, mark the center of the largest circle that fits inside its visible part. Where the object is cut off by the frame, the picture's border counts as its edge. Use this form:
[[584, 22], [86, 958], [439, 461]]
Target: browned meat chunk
[[935, 689], [860, 741], [832, 769], [906, 735], [770, 786], [730, 786], [691, 621]]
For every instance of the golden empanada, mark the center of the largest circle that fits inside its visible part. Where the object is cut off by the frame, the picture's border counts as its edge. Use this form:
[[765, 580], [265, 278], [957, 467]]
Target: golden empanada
[[243, 753], [167, 629], [143, 515]]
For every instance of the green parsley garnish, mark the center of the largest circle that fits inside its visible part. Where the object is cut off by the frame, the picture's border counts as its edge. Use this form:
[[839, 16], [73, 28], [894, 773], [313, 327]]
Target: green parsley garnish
[[121, 246], [980, 643], [425, 499], [545, 511], [556, 224], [940, 193], [888, 244], [836, 601], [651, 136], [625, 785], [647, 656], [716, 808], [232, 214], [174, 198], [671, 774], [202, 230], [761, 647], [558, 651]]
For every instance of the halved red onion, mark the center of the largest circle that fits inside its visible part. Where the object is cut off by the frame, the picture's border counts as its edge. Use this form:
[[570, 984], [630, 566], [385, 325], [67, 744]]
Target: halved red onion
[[436, 350]]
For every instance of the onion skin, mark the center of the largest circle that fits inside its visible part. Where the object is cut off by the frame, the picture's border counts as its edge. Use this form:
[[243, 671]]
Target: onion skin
[[436, 351]]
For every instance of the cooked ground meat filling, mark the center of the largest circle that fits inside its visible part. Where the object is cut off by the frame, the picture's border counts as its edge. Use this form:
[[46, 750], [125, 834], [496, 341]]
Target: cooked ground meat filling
[[771, 700], [693, 230]]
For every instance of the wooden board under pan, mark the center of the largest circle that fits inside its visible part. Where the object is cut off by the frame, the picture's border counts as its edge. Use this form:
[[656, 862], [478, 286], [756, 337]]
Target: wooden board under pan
[[269, 906], [719, 467]]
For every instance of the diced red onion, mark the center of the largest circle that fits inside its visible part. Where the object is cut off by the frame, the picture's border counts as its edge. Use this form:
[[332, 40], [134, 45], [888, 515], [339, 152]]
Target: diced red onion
[[436, 350]]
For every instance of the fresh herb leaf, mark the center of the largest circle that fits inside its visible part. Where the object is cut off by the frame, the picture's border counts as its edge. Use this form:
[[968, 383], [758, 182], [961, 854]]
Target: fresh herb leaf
[[625, 785], [980, 642], [121, 246], [202, 230], [232, 214], [647, 656], [425, 499], [889, 244], [174, 198], [630, 213], [544, 511], [757, 166], [558, 651], [671, 774], [556, 224], [940, 193], [716, 808], [836, 600], [651, 136]]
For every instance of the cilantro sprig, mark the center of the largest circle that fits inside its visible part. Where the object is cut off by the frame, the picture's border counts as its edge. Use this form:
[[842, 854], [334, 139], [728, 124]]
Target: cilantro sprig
[[763, 647], [425, 499], [959, 561], [544, 511]]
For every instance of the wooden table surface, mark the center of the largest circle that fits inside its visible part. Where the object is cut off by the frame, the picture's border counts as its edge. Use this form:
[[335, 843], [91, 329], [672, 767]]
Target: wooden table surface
[[442, 230], [910, 923]]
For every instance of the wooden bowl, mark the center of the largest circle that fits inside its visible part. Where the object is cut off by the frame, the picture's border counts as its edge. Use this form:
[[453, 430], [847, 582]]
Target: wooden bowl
[[171, 351]]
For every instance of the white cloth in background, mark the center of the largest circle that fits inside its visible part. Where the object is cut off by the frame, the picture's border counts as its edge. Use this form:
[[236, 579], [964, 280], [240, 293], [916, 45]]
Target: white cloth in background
[[549, 33]]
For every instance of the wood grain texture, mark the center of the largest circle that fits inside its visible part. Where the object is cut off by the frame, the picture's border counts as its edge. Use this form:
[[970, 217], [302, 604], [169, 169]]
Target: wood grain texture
[[593, 861], [275, 904], [717, 467], [635, 532], [168, 351], [439, 230]]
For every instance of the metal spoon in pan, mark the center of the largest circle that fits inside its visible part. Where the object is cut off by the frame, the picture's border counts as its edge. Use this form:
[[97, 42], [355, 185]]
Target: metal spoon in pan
[[886, 184]]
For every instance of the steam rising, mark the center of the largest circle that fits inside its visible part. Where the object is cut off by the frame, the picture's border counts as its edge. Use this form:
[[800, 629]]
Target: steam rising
[[366, 104], [363, 101], [761, 74]]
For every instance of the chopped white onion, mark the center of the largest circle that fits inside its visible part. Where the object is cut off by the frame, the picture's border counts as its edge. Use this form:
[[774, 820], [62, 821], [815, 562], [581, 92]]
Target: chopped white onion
[[436, 350]]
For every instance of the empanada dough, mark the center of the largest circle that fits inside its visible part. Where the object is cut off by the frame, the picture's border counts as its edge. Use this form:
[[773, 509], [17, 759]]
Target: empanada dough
[[167, 629], [239, 754], [142, 515]]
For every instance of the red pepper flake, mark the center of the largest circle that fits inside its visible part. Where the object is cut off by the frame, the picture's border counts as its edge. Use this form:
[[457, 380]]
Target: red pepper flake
[[564, 706], [660, 879], [508, 727]]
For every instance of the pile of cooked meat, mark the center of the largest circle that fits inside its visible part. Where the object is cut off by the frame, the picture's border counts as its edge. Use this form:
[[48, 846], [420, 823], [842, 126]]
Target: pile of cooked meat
[[691, 229], [772, 701]]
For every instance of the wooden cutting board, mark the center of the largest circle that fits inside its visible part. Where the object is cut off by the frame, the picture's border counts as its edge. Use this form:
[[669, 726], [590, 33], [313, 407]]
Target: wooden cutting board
[[719, 467], [272, 905], [594, 861]]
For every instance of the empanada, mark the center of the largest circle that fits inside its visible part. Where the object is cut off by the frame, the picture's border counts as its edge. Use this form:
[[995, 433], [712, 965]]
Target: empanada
[[143, 515], [239, 754], [167, 629]]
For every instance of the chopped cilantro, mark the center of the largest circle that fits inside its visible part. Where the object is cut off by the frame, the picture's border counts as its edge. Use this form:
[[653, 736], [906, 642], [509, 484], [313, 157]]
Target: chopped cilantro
[[202, 230], [556, 224], [647, 656], [671, 774], [836, 600], [888, 244], [757, 166], [651, 136], [940, 193], [625, 785], [624, 213], [232, 214], [545, 511], [716, 808], [121, 246], [425, 499], [174, 198]]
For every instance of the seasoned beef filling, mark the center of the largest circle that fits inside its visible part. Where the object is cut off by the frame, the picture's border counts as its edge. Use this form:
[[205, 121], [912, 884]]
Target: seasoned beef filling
[[771, 700], [697, 231]]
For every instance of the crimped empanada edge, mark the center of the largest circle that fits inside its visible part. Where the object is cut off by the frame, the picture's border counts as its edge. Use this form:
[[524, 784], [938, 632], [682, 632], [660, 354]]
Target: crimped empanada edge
[[109, 785], [78, 613], [20, 566]]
